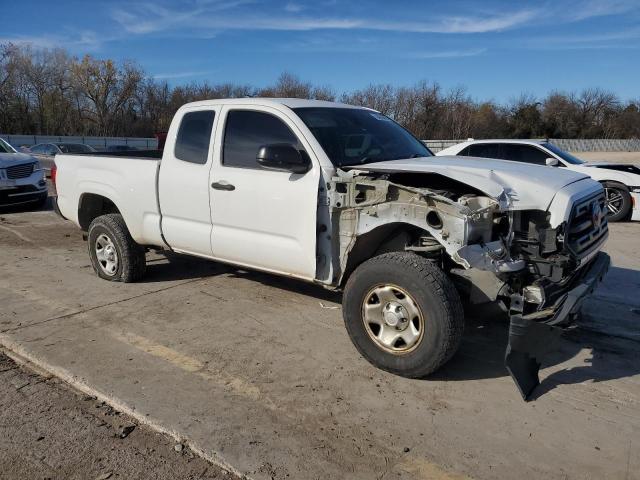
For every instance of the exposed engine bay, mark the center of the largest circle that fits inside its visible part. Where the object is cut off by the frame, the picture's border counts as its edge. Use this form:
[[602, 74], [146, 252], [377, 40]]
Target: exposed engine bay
[[492, 252]]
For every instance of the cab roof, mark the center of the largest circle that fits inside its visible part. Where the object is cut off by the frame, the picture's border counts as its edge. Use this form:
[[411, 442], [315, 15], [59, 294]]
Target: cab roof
[[267, 101]]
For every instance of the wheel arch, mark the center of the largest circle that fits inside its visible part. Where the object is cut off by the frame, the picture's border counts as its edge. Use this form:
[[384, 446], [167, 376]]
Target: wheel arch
[[390, 237], [617, 182], [93, 205]]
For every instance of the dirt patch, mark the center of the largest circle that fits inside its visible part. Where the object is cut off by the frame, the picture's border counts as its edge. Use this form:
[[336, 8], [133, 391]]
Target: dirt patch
[[49, 431]]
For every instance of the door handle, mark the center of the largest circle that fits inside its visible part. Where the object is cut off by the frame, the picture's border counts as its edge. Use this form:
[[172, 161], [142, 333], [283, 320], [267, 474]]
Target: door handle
[[222, 185]]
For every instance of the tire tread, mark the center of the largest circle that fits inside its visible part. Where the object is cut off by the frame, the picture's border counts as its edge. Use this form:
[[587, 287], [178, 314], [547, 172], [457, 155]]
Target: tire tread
[[442, 287], [132, 256]]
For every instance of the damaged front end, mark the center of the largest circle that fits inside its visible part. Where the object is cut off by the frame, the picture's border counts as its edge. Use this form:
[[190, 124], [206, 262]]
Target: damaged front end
[[491, 251]]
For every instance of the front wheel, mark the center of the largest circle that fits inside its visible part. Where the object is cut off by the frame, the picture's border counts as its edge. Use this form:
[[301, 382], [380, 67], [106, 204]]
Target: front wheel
[[403, 314], [618, 201], [115, 256]]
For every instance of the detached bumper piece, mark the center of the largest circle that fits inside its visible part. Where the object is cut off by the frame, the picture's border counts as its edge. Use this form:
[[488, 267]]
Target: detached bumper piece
[[532, 336]]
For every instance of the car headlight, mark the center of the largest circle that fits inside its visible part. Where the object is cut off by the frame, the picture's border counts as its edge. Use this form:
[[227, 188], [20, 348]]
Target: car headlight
[[3, 174]]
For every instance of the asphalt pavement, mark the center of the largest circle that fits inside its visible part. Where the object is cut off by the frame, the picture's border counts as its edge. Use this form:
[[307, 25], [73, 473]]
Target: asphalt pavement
[[256, 373]]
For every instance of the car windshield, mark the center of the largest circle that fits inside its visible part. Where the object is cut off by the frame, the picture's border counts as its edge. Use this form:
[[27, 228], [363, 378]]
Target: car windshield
[[566, 156], [74, 148], [353, 136], [5, 147]]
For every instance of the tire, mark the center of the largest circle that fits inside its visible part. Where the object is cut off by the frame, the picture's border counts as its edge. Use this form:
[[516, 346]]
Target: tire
[[121, 258], [420, 286], [618, 210]]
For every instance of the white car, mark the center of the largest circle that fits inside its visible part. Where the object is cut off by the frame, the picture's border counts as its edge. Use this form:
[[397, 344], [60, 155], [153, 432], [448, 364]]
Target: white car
[[621, 181], [344, 197]]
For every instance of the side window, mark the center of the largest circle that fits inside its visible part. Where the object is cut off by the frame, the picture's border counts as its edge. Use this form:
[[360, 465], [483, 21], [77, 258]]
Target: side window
[[525, 154], [194, 135], [486, 150], [465, 152], [37, 149], [246, 131]]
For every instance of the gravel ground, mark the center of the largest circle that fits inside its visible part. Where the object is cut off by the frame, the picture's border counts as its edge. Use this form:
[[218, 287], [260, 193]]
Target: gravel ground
[[48, 431]]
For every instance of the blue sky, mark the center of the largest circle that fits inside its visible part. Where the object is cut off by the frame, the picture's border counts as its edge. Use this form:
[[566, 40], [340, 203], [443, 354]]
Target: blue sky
[[497, 49]]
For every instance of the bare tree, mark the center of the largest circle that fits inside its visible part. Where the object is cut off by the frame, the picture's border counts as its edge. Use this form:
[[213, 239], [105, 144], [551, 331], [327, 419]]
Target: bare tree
[[107, 89], [49, 91]]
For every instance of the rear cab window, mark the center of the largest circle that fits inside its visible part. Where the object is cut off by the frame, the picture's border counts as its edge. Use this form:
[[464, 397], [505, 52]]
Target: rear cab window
[[194, 136]]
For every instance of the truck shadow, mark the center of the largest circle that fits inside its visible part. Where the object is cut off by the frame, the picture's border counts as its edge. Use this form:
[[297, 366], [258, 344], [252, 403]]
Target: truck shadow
[[481, 356], [599, 338], [170, 266], [606, 340]]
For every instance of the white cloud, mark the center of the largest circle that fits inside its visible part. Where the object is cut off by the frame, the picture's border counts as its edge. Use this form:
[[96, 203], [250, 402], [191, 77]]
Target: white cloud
[[293, 7], [83, 40], [616, 39], [148, 18], [585, 9]]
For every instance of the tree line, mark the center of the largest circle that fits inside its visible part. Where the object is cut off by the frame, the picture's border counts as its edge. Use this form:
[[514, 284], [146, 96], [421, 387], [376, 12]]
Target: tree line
[[50, 92]]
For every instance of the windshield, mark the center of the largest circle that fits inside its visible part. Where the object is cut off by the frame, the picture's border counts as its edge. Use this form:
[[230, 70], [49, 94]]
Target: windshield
[[566, 156], [74, 148], [353, 136], [5, 147]]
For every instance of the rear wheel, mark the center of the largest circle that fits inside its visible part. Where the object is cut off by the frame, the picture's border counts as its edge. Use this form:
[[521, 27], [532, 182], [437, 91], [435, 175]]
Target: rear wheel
[[115, 256], [618, 201], [403, 314]]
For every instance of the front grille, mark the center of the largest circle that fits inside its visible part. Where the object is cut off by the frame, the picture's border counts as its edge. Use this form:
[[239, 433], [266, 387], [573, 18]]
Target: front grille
[[587, 227], [20, 171]]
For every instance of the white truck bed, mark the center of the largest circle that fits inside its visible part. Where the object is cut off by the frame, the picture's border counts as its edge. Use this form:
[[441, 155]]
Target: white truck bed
[[130, 182]]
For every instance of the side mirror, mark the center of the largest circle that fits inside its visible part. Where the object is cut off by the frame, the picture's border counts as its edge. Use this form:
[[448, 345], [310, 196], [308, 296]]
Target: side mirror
[[283, 157], [552, 162]]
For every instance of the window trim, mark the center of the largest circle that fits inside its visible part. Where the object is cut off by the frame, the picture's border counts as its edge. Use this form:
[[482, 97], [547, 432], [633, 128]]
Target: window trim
[[210, 145], [247, 108]]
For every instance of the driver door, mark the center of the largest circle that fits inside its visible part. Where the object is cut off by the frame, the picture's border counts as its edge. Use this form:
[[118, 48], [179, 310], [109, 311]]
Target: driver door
[[262, 218]]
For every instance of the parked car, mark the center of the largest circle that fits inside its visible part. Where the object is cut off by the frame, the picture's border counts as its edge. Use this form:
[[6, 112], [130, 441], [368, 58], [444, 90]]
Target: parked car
[[21, 178], [621, 181], [344, 197], [46, 152]]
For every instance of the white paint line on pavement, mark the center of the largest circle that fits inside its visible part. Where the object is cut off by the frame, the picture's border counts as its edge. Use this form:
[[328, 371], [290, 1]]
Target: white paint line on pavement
[[236, 384]]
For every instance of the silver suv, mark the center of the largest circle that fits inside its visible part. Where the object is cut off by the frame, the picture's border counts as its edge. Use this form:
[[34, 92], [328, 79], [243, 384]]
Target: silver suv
[[21, 178]]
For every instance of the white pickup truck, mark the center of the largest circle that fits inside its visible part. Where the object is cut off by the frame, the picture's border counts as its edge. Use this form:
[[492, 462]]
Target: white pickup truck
[[344, 197]]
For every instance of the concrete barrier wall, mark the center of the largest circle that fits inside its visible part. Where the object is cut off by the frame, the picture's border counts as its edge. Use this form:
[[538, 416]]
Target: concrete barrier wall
[[572, 145], [99, 143]]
